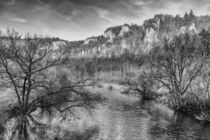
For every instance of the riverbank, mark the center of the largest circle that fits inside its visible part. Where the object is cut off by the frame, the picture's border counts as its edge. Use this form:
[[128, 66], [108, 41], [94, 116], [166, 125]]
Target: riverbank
[[192, 107], [126, 117], [123, 117]]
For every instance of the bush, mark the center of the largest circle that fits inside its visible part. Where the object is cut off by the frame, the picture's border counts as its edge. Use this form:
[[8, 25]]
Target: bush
[[110, 87]]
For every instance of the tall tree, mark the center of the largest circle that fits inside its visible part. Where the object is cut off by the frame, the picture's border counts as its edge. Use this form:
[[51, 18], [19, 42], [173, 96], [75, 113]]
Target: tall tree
[[29, 67], [191, 15], [178, 64]]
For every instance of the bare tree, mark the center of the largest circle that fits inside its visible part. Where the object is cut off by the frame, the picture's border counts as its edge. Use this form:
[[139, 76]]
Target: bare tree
[[142, 86], [178, 63], [31, 68]]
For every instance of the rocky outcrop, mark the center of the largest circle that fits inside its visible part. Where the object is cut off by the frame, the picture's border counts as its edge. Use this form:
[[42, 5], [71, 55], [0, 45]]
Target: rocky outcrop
[[109, 35], [150, 39], [124, 29], [138, 39], [88, 40]]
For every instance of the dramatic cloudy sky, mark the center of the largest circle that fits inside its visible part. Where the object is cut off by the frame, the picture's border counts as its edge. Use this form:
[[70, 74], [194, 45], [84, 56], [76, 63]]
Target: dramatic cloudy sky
[[78, 19]]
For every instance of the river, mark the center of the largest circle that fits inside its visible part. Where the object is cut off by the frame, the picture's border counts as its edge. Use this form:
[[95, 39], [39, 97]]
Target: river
[[124, 118]]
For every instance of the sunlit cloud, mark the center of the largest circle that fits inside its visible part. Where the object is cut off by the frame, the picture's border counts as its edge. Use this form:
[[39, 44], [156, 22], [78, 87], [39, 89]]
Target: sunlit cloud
[[18, 20]]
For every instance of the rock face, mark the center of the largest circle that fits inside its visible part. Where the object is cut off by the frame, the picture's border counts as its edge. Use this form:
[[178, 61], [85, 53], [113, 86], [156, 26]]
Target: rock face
[[150, 40], [88, 40], [137, 39], [124, 29], [109, 35]]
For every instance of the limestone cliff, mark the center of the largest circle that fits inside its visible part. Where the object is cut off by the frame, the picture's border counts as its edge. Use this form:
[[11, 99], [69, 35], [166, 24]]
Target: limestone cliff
[[137, 39]]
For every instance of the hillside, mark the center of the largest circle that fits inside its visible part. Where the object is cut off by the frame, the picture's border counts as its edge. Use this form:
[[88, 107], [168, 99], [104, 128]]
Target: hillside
[[137, 39]]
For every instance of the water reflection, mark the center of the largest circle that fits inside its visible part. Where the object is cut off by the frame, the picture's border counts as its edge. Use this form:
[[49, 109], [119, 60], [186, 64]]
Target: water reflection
[[50, 128], [125, 119], [147, 121]]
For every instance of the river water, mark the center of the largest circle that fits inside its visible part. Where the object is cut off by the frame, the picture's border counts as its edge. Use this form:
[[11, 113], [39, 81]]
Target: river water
[[124, 118]]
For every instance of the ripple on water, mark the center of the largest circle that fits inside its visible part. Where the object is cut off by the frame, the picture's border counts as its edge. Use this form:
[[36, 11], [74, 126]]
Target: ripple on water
[[125, 121]]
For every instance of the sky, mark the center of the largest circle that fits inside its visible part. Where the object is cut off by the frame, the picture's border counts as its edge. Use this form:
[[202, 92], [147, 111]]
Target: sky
[[79, 19]]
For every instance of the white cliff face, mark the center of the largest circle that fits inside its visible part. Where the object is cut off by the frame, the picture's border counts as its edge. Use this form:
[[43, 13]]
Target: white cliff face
[[192, 28], [103, 50], [183, 29], [124, 29], [100, 50], [149, 40], [156, 24], [110, 35], [57, 49], [88, 40], [188, 29], [150, 36], [141, 40], [124, 44], [57, 44]]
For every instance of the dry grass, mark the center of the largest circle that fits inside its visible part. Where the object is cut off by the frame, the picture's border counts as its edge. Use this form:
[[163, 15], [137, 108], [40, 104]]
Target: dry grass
[[115, 93]]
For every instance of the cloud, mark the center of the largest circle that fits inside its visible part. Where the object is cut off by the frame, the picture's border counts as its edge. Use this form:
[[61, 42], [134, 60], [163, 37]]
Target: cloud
[[103, 14], [18, 20], [8, 2], [77, 19]]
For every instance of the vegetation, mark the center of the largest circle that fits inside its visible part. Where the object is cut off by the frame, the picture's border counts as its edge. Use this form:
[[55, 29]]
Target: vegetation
[[142, 86], [44, 80], [32, 69], [177, 68]]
